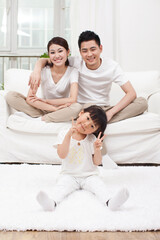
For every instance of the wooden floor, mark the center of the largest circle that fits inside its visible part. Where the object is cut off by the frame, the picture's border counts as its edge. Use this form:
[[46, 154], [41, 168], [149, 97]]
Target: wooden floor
[[34, 235]]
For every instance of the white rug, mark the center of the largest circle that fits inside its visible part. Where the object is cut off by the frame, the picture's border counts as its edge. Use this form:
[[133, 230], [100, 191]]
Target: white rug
[[81, 211]]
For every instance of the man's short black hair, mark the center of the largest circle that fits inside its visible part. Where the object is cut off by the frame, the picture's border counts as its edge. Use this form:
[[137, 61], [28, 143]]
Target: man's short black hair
[[88, 36], [99, 118]]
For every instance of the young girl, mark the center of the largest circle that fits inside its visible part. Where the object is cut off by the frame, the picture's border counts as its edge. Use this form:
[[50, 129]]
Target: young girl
[[59, 84], [80, 152]]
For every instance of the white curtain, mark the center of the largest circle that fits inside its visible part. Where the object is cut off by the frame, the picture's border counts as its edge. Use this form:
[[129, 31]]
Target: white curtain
[[94, 15]]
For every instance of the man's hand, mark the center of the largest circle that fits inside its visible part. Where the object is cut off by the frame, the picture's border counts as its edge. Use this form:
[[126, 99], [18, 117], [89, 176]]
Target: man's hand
[[109, 115], [98, 143], [34, 81], [35, 77]]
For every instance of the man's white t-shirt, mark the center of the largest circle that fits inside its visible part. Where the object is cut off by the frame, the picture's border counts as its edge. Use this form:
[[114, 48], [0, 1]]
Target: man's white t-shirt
[[78, 162], [95, 85], [61, 89]]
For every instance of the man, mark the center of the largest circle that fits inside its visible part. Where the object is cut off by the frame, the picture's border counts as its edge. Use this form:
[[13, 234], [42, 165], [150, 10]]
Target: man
[[95, 80]]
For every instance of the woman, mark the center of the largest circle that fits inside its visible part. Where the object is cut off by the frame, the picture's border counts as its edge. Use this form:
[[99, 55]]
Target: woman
[[59, 84]]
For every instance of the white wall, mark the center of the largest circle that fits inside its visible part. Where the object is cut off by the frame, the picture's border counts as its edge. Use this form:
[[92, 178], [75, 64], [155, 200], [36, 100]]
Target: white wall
[[129, 30], [94, 15], [137, 34]]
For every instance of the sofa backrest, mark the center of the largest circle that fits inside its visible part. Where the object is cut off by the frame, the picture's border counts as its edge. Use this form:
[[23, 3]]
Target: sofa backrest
[[145, 83], [17, 80]]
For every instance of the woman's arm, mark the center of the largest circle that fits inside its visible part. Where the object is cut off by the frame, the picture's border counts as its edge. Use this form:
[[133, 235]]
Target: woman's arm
[[130, 95], [71, 99], [39, 103], [52, 104]]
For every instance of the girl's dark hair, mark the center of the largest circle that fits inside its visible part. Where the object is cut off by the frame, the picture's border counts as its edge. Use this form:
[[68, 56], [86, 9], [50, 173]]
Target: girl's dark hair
[[59, 41], [88, 36], [99, 118]]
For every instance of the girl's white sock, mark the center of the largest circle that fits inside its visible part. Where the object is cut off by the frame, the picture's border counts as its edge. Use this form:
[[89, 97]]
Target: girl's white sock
[[118, 200], [46, 203]]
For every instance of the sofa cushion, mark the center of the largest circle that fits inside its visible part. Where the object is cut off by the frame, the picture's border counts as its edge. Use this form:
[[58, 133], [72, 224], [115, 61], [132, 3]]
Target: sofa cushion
[[144, 123], [22, 124]]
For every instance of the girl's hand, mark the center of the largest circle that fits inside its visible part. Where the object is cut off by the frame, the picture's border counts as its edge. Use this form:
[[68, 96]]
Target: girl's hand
[[73, 129], [98, 143]]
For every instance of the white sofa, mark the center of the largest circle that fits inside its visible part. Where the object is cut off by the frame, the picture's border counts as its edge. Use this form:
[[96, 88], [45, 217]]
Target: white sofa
[[135, 140]]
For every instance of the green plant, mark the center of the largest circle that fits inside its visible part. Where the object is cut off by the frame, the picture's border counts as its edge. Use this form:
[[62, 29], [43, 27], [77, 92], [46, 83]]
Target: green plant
[[44, 55], [1, 86]]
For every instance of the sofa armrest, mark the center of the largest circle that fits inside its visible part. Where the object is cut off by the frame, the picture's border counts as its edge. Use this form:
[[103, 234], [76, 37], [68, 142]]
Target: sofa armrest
[[4, 108], [154, 102]]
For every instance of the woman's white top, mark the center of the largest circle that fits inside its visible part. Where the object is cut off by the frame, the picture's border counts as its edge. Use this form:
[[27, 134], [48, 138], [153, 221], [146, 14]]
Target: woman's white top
[[61, 89]]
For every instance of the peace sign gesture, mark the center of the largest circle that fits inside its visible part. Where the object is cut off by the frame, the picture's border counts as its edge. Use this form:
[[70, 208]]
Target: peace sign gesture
[[73, 129], [99, 141]]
